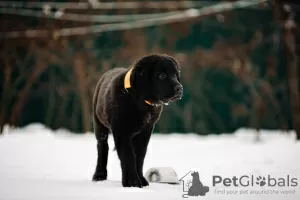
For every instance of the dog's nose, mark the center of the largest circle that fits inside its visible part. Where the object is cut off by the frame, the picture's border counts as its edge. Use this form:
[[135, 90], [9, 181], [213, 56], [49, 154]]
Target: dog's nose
[[178, 88]]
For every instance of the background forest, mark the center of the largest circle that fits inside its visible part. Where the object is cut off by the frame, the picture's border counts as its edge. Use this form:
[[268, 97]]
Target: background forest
[[234, 64]]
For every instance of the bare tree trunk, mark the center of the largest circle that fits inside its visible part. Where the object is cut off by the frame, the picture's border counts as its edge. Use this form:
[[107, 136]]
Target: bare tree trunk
[[285, 14], [79, 72], [5, 95], [40, 67], [51, 100]]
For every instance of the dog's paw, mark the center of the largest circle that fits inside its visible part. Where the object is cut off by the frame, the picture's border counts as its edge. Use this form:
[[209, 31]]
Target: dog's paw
[[99, 177], [144, 181], [133, 181]]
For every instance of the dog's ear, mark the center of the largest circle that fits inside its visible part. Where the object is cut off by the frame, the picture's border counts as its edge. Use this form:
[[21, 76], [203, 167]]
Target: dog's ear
[[142, 77], [139, 71], [139, 77], [142, 68]]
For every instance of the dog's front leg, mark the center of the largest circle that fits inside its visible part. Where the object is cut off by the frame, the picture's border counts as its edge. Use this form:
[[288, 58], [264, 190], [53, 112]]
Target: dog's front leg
[[140, 143], [127, 157]]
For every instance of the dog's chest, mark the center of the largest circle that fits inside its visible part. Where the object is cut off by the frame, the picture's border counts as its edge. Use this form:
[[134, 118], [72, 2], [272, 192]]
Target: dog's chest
[[146, 118], [150, 117]]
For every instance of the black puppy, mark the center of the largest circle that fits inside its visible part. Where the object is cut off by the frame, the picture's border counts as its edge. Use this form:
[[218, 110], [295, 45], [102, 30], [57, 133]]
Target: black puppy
[[128, 102]]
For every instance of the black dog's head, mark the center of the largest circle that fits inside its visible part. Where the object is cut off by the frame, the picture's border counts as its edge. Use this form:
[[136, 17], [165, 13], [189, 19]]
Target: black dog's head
[[156, 78]]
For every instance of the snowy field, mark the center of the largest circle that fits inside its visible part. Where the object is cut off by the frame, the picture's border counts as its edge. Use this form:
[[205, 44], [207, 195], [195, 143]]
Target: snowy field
[[40, 164]]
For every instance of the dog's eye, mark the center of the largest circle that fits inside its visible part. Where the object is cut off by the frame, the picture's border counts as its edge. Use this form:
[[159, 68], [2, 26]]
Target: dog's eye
[[162, 76]]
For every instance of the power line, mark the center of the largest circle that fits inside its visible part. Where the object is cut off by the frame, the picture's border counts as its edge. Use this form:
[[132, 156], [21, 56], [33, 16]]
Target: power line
[[107, 5], [191, 13], [61, 15]]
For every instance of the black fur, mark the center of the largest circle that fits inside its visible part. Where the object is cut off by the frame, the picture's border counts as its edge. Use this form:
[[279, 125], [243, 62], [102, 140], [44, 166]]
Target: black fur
[[124, 112]]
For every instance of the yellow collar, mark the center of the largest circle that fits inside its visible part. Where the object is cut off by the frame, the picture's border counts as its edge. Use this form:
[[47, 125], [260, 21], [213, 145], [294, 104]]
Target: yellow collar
[[148, 102], [128, 85], [127, 79]]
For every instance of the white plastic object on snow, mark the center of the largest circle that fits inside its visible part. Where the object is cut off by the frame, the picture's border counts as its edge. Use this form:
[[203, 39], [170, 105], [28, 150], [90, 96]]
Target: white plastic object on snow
[[162, 175]]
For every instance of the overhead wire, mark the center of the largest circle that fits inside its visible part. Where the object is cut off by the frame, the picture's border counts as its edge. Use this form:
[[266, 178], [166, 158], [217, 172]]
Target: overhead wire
[[107, 5], [61, 15], [179, 17]]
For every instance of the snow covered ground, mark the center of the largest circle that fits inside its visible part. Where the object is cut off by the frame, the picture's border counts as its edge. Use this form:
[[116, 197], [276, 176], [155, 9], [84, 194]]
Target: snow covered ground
[[39, 164]]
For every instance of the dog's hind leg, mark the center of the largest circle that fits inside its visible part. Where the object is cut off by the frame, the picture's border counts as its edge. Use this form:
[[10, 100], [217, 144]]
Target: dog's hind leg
[[101, 133]]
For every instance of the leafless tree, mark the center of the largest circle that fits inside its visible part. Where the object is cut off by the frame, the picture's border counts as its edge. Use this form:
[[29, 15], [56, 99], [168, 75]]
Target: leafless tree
[[285, 14]]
